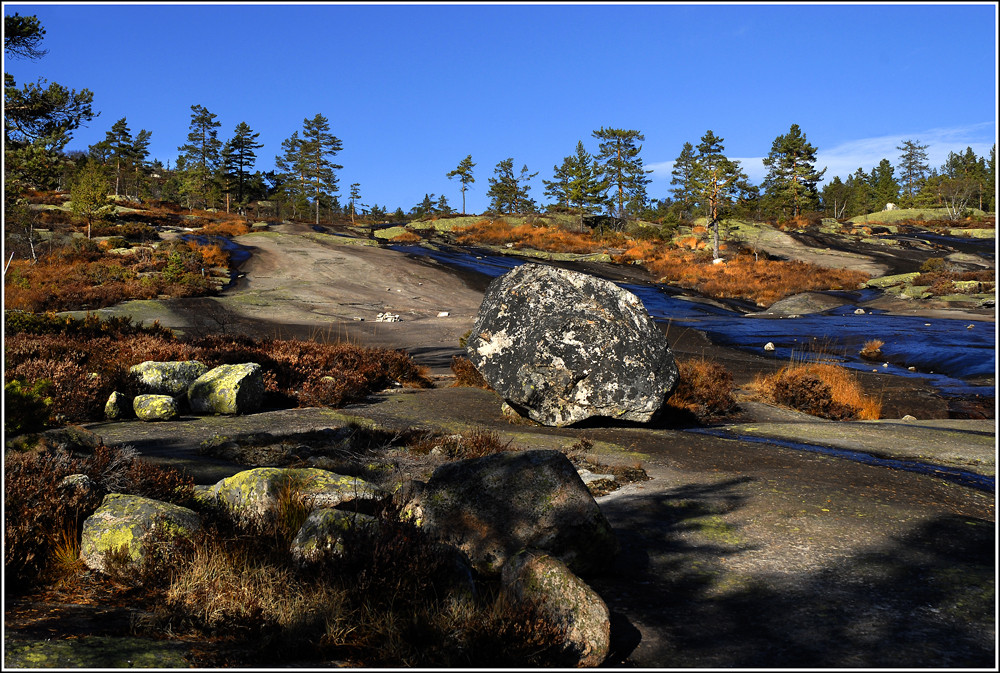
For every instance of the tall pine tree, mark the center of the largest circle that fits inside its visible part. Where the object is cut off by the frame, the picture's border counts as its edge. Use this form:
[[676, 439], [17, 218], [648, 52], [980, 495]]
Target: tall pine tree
[[201, 155], [717, 181], [464, 174], [913, 169], [621, 167], [683, 178], [509, 192], [239, 158], [791, 180], [318, 149]]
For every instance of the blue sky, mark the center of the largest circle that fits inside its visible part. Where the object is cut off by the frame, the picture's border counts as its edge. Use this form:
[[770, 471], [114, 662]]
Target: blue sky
[[411, 89]]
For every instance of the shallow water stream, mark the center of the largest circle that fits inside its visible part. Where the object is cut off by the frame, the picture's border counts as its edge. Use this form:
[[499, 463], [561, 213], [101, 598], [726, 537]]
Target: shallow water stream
[[954, 358]]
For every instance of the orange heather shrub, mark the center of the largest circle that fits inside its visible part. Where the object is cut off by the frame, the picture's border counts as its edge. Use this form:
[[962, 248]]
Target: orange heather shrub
[[826, 390], [406, 237]]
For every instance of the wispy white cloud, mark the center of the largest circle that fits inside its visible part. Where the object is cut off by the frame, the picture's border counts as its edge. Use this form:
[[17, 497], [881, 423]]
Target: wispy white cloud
[[866, 153]]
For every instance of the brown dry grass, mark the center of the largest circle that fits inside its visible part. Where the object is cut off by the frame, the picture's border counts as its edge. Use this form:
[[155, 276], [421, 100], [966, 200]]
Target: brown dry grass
[[704, 388], [821, 389], [536, 237]]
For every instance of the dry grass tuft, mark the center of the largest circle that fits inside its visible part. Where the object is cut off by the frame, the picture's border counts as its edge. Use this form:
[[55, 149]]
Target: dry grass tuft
[[825, 390], [466, 374], [705, 388], [872, 350]]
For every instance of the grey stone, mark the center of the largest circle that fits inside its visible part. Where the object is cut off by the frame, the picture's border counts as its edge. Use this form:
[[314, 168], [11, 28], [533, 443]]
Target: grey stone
[[118, 406], [564, 601], [492, 507], [561, 346]]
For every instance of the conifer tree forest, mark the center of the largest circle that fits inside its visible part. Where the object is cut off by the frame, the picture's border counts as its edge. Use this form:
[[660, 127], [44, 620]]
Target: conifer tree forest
[[216, 167]]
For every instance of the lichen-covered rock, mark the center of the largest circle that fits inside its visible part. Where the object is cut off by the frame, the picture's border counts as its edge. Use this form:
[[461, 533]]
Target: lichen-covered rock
[[323, 531], [492, 507], [118, 406], [167, 378], [564, 601], [561, 346], [128, 521], [155, 407], [228, 389], [254, 494]]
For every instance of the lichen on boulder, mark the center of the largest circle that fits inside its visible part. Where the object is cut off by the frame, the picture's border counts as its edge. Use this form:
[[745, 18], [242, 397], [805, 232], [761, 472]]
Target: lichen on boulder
[[561, 346], [255, 494], [228, 389], [155, 407], [167, 378], [128, 521]]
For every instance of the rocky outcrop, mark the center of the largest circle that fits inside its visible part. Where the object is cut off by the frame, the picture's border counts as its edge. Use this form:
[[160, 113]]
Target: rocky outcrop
[[228, 389], [167, 378], [564, 601], [155, 407], [254, 494], [128, 521], [561, 346], [492, 507]]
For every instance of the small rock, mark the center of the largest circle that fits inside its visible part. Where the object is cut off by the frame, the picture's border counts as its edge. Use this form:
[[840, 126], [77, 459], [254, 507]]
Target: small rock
[[908, 419], [970, 327], [443, 314], [155, 407], [769, 346], [859, 311]]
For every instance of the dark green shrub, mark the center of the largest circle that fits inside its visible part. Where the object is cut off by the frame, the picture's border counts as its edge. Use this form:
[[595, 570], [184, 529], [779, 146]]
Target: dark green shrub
[[26, 406]]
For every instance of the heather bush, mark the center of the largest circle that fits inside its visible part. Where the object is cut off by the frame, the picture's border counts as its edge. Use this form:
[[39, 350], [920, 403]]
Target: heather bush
[[825, 390], [466, 374], [704, 388]]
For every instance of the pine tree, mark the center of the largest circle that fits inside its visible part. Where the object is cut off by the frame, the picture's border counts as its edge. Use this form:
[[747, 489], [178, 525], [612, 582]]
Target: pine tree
[[201, 153], [139, 158], [913, 168], [355, 197], [290, 178], [577, 182], [683, 174], [885, 189], [119, 141], [38, 118], [464, 175], [508, 192], [621, 167], [792, 177], [239, 158], [318, 148], [717, 181], [862, 194], [834, 196]]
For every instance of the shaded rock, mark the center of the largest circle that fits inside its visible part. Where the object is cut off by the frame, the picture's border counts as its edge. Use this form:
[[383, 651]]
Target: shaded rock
[[128, 521], [118, 406], [228, 389], [254, 494], [167, 378], [492, 507], [323, 531], [564, 601], [561, 346], [155, 407], [803, 303]]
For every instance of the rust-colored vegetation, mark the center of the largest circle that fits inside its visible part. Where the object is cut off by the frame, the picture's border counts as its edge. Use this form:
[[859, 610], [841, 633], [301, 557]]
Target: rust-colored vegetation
[[83, 366], [704, 388], [820, 389]]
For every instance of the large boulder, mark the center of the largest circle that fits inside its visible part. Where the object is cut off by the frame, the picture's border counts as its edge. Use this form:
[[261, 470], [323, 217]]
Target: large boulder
[[562, 346], [167, 378], [564, 601], [492, 507], [128, 521], [228, 389], [256, 493]]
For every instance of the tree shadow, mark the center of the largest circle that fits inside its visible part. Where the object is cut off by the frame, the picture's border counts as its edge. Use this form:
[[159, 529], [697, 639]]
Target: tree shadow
[[923, 599]]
